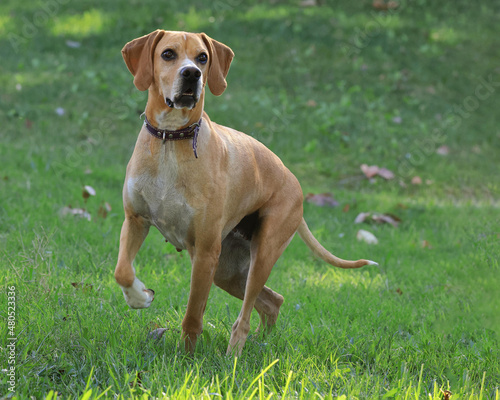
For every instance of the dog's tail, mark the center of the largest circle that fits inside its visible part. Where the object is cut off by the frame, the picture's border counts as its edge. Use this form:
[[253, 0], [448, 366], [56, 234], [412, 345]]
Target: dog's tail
[[319, 251]]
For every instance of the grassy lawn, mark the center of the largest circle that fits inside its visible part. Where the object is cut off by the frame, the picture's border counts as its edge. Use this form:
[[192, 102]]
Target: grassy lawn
[[326, 87]]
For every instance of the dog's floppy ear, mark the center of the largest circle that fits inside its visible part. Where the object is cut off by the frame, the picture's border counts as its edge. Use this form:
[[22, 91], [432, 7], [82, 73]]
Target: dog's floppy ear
[[220, 57], [138, 55]]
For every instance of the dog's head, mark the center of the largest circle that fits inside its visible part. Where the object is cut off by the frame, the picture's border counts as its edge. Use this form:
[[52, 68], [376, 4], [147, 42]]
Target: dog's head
[[179, 64]]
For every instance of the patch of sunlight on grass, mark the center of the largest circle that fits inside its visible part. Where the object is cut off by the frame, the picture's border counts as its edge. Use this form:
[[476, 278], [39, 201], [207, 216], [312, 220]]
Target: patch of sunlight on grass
[[445, 35], [31, 79], [194, 20], [333, 278], [428, 198], [80, 25], [4, 21], [463, 202], [380, 21], [372, 23]]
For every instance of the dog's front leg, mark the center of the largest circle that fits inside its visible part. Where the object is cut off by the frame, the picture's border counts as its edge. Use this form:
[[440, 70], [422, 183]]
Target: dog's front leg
[[204, 261], [134, 231]]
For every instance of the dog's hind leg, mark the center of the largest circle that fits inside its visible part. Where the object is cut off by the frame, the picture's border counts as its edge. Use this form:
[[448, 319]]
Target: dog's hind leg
[[278, 221], [134, 231], [231, 276]]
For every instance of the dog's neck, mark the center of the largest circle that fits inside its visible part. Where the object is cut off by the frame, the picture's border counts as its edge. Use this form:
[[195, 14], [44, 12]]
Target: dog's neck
[[162, 116]]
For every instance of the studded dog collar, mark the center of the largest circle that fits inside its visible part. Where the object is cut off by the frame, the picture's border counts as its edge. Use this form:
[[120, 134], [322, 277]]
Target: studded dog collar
[[187, 133]]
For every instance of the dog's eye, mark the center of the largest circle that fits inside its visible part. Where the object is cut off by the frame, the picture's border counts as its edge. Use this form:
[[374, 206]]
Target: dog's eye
[[203, 58], [168, 54]]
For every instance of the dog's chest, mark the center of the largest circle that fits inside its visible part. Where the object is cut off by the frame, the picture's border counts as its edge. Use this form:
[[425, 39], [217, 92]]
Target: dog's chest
[[159, 199]]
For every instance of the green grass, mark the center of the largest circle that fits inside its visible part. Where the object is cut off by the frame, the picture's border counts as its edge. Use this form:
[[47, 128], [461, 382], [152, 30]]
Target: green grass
[[327, 88]]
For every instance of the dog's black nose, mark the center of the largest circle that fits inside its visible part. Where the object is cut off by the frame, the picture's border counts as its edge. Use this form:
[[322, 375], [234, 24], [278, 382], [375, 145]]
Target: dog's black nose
[[191, 73]]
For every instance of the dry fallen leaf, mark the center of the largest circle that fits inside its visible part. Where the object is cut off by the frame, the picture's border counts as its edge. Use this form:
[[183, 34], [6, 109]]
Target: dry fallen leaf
[[386, 174], [372, 170], [426, 244], [387, 218], [346, 208], [379, 218], [446, 394], [399, 291], [416, 180], [367, 237], [361, 217], [79, 285], [88, 191], [104, 210], [369, 171], [381, 5], [322, 199], [77, 212], [443, 150]]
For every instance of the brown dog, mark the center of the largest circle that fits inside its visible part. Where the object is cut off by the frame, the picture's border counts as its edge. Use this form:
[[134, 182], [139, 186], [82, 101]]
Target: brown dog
[[216, 192]]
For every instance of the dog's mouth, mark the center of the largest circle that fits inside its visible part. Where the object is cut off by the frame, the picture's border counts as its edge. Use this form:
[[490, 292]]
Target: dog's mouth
[[187, 98], [188, 92]]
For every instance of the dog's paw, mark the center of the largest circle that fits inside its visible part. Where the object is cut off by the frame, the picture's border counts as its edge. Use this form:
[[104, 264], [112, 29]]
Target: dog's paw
[[137, 296]]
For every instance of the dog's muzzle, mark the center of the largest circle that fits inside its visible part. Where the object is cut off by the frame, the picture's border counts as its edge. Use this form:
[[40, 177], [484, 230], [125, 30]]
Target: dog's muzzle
[[190, 89]]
